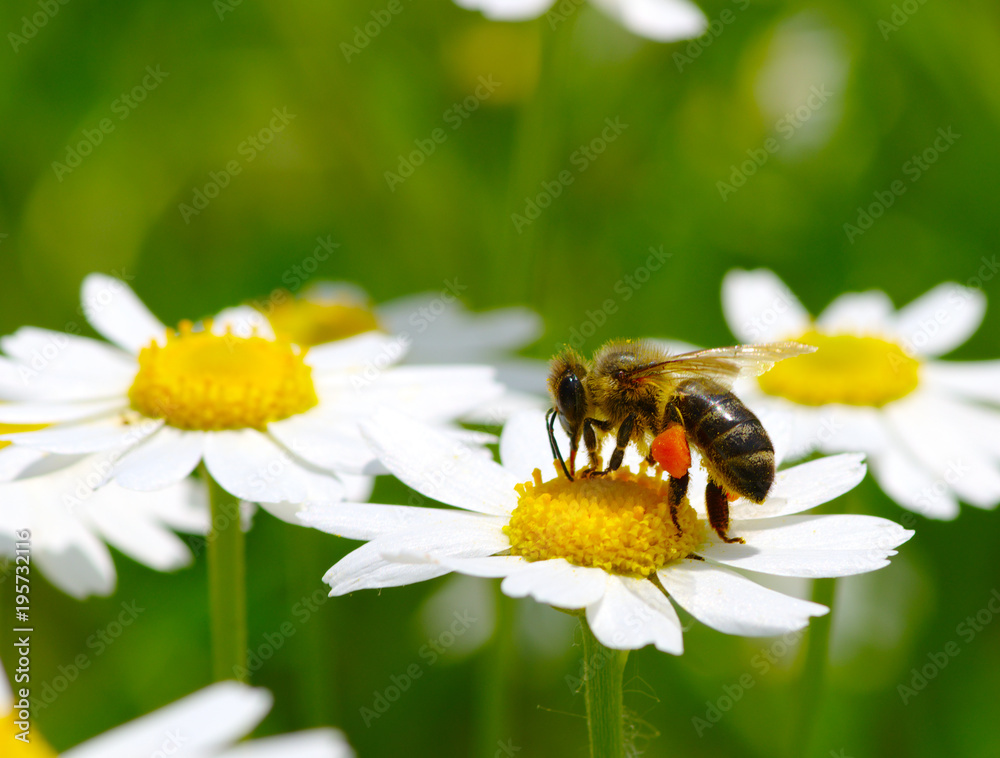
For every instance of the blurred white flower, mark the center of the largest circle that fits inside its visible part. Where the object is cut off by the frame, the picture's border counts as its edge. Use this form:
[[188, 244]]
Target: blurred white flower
[[930, 428], [274, 423], [208, 724], [660, 20], [69, 520], [607, 545], [436, 329]]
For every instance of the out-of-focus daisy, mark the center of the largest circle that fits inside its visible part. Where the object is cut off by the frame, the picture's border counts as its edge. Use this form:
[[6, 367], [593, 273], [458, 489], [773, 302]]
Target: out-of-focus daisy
[[69, 519], [207, 724], [274, 423], [608, 545], [431, 328], [660, 20], [876, 385]]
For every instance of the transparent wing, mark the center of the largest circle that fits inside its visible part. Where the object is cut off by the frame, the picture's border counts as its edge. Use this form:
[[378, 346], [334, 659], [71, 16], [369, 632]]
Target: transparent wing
[[723, 364]]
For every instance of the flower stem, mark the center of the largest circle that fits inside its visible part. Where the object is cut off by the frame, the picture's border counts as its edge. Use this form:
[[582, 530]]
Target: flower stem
[[603, 670], [813, 678], [226, 584]]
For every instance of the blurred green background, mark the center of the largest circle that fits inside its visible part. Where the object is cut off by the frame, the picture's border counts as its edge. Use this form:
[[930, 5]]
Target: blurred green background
[[221, 70]]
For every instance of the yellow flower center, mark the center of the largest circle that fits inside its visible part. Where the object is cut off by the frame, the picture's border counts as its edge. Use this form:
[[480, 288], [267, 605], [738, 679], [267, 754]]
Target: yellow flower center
[[200, 380], [36, 748], [306, 322], [620, 522], [845, 369]]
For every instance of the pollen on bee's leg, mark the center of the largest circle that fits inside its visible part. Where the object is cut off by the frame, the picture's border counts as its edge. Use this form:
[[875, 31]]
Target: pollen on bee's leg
[[670, 449]]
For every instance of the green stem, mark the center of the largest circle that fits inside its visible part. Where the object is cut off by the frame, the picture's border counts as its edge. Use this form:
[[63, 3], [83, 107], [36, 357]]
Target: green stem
[[813, 678], [603, 671], [226, 584]]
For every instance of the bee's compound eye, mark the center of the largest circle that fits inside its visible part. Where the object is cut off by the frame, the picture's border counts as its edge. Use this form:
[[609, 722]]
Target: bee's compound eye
[[571, 399], [619, 375]]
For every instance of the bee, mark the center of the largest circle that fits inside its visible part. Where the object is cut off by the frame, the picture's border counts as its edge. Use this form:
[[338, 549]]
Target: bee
[[640, 393]]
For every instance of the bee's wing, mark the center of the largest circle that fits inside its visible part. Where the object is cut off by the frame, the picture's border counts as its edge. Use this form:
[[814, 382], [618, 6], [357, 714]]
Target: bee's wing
[[724, 364]]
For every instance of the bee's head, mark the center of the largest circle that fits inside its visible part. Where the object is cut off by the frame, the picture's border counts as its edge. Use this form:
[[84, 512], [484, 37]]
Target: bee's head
[[569, 393]]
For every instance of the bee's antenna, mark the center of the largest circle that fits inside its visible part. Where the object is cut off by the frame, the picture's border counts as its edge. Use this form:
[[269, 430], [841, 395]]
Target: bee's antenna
[[550, 423]]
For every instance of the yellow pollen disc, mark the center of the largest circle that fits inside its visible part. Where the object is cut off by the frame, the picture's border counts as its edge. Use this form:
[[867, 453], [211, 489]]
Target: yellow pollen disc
[[200, 380], [306, 322], [845, 369], [620, 522]]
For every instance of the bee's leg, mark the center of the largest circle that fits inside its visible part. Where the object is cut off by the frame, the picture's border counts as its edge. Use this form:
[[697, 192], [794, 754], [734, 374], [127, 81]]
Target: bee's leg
[[621, 442], [678, 491], [718, 511], [590, 440]]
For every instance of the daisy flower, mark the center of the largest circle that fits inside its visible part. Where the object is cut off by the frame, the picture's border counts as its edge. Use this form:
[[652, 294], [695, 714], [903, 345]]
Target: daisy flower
[[432, 328], [69, 519], [207, 724], [606, 545], [876, 385], [660, 20], [274, 423]]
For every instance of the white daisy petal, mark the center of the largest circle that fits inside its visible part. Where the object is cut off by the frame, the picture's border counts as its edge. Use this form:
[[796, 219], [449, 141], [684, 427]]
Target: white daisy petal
[[163, 459], [372, 350], [807, 485], [977, 381], [80, 569], [634, 613], [42, 351], [440, 468], [204, 722], [928, 425], [759, 307], [314, 743], [52, 413], [490, 567], [556, 582], [660, 20], [941, 320], [114, 514], [251, 466], [113, 309], [859, 313], [524, 444], [357, 489], [103, 434], [907, 482], [507, 10], [15, 459], [813, 546], [733, 604], [324, 441], [368, 521]]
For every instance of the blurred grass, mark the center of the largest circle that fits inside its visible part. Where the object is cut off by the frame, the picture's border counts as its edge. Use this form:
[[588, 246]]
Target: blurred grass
[[655, 185]]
